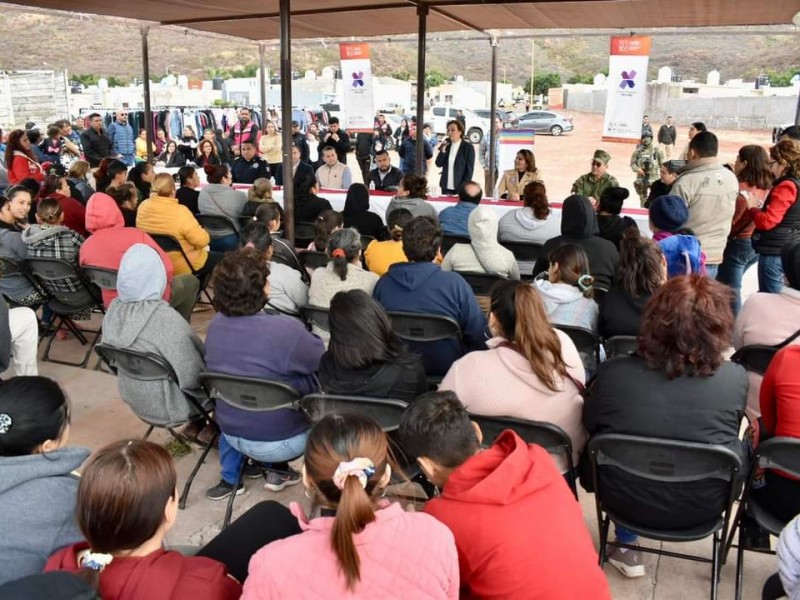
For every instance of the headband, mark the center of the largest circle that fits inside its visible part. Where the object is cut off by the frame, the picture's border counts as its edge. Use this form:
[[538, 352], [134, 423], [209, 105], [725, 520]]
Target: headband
[[361, 468]]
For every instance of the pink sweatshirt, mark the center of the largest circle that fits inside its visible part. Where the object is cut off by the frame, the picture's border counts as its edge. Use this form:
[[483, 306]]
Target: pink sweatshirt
[[499, 382], [766, 319], [403, 555]]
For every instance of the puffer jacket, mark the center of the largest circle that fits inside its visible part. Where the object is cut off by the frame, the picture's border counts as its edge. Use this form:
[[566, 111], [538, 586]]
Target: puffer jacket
[[166, 216], [778, 221]]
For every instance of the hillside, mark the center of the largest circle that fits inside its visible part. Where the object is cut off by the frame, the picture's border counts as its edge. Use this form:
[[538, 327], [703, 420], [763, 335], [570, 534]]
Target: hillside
[[112, 47]]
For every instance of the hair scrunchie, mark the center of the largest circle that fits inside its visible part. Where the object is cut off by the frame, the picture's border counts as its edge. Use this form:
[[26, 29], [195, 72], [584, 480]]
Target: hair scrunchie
[[96, 561], [338, 253], [585, 282], [361, 468]]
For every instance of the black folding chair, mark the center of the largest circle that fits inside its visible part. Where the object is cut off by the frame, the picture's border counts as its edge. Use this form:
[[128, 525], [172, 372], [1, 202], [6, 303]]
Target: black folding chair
[[303, 234], [524, 251], [248, 394], [666, 462], [547, 435], [217, 226], [169, 243], [313, 259], [105, 279], [481, 283], [145, 366], [420, 329], [588, 345], [12, 268], [316, 315], [780, 453], [387, 412], [448, 241], [620, 345], [52, 273]]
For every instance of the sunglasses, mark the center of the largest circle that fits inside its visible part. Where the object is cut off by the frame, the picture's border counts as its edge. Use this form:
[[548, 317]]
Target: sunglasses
[[597, 163], [123, 114]]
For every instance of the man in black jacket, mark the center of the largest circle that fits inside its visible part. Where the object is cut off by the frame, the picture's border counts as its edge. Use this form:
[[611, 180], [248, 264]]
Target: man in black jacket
[[299, 140], [336, 138], [385, 178], [96, 144], [667, 135], [299, 168]]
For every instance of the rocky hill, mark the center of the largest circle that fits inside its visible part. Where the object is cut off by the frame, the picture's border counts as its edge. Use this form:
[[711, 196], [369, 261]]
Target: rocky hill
[[112, 47]]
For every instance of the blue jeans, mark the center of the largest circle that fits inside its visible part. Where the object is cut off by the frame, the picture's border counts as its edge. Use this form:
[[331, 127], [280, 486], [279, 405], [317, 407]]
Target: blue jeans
[[232, 451], [738, 257], [624, 536], [128, 159], [224, 244], [770, 273], [711, 271]]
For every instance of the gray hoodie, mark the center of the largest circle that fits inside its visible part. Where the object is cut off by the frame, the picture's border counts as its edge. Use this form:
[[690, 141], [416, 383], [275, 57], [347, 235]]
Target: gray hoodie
[[139, 319], [520, 225], [222, 200], [37, 495], [416, 206], [484, 254]]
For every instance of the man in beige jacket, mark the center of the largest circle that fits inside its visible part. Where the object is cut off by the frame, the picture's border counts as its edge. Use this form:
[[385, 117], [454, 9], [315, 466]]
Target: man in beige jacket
[[709, 190]]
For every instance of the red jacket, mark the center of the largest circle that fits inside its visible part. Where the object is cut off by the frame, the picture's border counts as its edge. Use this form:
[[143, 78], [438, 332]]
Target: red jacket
[[160, 575], [519, 532], [74, 213], [22, 167], [110, 239], [780, 394]]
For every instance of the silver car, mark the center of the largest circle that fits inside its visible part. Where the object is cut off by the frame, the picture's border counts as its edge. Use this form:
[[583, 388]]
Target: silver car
[[545, 121]]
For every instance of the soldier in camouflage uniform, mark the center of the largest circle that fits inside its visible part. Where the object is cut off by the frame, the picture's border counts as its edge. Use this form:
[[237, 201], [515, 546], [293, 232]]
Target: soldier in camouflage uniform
[[593, 184], [646, 163]]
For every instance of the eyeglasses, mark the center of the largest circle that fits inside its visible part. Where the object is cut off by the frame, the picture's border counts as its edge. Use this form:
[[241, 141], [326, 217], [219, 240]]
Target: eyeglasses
[[597, 163]]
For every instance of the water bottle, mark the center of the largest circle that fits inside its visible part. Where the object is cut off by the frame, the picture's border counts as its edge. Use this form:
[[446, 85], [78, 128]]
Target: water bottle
[[371, 186]]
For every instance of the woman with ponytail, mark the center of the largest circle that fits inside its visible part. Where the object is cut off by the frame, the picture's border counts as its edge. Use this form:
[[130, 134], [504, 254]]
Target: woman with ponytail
[[342, 273], [360, 545], [127, 502], [568, 290], [530, 371], [110, 172]]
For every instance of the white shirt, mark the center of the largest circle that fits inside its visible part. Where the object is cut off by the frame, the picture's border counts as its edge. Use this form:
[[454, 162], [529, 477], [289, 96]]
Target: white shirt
[[451, 161]]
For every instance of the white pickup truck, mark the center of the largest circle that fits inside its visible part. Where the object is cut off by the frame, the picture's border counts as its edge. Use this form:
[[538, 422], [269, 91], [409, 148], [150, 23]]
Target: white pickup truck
[[476, 126]]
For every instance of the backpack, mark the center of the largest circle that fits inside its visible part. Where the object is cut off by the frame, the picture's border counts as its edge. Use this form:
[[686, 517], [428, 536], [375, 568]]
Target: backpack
[[683, 255]]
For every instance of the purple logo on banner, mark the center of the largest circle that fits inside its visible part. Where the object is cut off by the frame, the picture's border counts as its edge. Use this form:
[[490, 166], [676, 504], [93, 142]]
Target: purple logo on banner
[[627, 79], [358, 79]]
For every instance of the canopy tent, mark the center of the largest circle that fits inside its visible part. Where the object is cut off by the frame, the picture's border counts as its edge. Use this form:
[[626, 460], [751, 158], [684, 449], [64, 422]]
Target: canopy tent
[[287, 19], [363, 18]]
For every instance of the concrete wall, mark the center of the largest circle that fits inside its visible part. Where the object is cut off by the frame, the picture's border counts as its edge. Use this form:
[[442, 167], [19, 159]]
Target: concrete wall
[[742, 112], [38, 96]]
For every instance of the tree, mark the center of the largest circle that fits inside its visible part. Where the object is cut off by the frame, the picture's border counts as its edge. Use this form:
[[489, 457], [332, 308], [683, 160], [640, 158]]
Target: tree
[[116, 82], [402, 74], [86, 80], [434, 79], [581, 78], [543, 82], [782, 78]]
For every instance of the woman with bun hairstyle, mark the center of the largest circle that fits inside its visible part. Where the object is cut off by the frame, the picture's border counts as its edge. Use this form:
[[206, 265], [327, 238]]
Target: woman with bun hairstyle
[[325, 224], [110, 172], [529, 223], [568, 291], [379, 256], [361, 546], [530, 371], [127, 502], [343, 272], [219, 199], [38, 485]]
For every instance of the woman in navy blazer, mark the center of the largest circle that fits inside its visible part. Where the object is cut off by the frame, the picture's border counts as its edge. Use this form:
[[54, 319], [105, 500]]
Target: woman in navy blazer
[[456, 158]]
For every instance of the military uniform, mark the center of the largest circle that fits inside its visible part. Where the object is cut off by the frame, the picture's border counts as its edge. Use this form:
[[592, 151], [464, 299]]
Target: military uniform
[[648, 158], [587, 185]]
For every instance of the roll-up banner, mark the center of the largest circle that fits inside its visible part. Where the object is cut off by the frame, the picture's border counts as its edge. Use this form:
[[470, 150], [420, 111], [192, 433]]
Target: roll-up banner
[[627, 88], [357, 89]]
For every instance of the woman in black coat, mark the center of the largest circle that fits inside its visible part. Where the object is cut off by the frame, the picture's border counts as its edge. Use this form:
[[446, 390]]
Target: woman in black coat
[[171, 156], [456, 158], [356, 213], [679, 387]]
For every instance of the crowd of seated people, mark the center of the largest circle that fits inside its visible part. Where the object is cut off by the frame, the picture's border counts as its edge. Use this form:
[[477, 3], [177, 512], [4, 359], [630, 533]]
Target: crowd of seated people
[[501, 501]]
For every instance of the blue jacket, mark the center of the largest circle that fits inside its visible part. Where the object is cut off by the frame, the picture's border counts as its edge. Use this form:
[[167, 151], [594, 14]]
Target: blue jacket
[[408, 155], [455, 219], [122, 139], [267, 347], [425, 288]]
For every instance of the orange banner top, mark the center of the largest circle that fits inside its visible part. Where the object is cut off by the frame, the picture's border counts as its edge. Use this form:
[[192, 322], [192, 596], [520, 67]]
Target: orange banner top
[[350, 51], [631, 45]]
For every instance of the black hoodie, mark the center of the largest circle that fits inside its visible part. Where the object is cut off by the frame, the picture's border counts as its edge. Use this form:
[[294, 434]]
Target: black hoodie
[[403, 379], [356, 213], [579, 227], [613, 226]]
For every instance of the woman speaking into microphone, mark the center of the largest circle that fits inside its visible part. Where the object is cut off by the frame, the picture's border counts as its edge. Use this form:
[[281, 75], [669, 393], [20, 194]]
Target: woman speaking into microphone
[[456, 158]]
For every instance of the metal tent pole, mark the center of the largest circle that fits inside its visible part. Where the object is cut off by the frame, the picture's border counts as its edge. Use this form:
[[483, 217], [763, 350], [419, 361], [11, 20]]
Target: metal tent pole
[[493, 116], [422, 34], [148, 115], [286, 119], [262, 68]]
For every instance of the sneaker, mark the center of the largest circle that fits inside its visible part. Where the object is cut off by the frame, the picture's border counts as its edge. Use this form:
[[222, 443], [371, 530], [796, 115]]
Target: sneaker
[[222, 490], [626, 561], [278, 480], [253, 470]]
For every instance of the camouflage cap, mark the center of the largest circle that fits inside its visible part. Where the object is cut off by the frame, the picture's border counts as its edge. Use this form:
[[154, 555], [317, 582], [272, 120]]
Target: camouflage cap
[[601, 156]]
